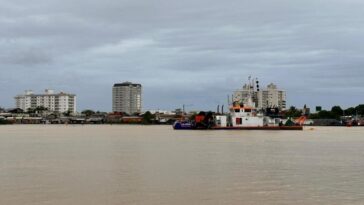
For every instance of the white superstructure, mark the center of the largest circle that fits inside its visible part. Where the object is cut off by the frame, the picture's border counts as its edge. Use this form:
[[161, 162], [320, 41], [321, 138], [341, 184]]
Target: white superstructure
[[244, 113], [56, 102]]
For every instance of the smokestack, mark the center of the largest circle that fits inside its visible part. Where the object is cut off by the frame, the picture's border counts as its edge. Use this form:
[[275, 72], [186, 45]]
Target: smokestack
[[218, 109], [222, 109]]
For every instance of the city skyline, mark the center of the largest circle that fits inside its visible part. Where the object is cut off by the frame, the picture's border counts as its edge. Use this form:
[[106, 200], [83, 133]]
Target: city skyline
[[190, 52]]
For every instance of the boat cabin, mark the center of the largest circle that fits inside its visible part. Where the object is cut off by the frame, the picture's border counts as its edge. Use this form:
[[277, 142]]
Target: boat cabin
[[245, 116]]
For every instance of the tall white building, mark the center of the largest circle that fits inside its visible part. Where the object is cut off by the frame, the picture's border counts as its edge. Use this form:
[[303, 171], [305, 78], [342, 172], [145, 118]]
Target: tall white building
[[265, 98], [55, 102], [127, 98], [271, 97]]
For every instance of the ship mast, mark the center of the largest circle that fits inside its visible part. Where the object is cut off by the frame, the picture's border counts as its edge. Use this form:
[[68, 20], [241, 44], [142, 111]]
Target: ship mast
[[249, 100]]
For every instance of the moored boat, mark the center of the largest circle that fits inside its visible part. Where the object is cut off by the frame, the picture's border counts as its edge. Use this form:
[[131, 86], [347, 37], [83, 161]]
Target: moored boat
[[242, 116]]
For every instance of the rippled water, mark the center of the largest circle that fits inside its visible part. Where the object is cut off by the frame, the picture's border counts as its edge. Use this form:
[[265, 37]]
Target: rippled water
[[86, 165]]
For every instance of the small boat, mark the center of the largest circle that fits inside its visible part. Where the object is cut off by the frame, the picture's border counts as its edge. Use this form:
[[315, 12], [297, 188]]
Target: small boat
[[183, 125]]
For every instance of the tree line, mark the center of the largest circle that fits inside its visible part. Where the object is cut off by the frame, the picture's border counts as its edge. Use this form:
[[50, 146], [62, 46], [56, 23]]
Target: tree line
[[335, 113]]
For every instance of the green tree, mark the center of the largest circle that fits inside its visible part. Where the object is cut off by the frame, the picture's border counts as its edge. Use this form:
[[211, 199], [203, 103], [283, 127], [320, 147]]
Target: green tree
[[31, 110], [88, 112], [350, 111], [314, 116], [39, 109], [67, 113], [148, 118], [360, 109], [16, 111], [337, 111], [293, 112], [324, 114]]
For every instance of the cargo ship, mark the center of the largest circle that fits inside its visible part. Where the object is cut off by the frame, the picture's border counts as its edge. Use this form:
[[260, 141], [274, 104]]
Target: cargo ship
[[241, 116]]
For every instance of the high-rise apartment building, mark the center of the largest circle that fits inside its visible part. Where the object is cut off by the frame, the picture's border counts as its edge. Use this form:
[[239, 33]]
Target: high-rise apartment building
[[55, 102], [269, 97], [127, 98]]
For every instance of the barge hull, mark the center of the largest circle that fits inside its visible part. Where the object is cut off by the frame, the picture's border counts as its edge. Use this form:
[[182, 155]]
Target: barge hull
[[278, 128], [260, 128]]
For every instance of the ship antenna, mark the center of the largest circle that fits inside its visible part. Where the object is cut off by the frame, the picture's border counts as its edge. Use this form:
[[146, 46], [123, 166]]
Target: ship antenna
[[250, 91]]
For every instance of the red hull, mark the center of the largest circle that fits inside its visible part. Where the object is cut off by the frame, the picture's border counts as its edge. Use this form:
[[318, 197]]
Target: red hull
[[260, 128]]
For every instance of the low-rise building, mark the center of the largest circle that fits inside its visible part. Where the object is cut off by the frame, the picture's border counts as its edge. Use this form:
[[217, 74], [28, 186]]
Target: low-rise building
[[55, 102]]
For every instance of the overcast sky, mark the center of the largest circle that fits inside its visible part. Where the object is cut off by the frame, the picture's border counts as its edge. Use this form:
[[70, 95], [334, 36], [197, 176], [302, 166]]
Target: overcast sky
[[183, 52]]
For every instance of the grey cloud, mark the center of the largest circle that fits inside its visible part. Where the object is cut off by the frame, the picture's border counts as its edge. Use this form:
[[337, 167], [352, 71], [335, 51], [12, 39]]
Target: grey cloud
[[28, 57], [183, 52]]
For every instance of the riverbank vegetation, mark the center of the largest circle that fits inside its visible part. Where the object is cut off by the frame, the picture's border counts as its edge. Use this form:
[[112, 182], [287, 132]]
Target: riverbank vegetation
[[336, 112]]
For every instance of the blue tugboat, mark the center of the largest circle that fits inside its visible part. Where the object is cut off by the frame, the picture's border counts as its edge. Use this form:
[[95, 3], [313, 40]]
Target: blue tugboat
[[183, 125]]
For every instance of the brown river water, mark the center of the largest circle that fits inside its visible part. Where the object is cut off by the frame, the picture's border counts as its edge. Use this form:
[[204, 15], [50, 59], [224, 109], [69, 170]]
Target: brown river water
[[118, 164]]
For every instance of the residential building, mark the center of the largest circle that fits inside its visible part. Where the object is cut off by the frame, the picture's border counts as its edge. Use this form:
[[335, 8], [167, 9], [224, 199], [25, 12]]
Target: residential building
[[56, 102], [269, 97], [127, 98]]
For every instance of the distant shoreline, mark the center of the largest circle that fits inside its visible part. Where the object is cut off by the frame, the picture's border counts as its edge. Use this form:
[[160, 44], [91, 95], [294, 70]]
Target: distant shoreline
[[147, 125]]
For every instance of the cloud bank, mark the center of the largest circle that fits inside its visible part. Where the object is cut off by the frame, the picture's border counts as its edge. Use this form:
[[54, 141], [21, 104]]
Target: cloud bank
[[183, 52]]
